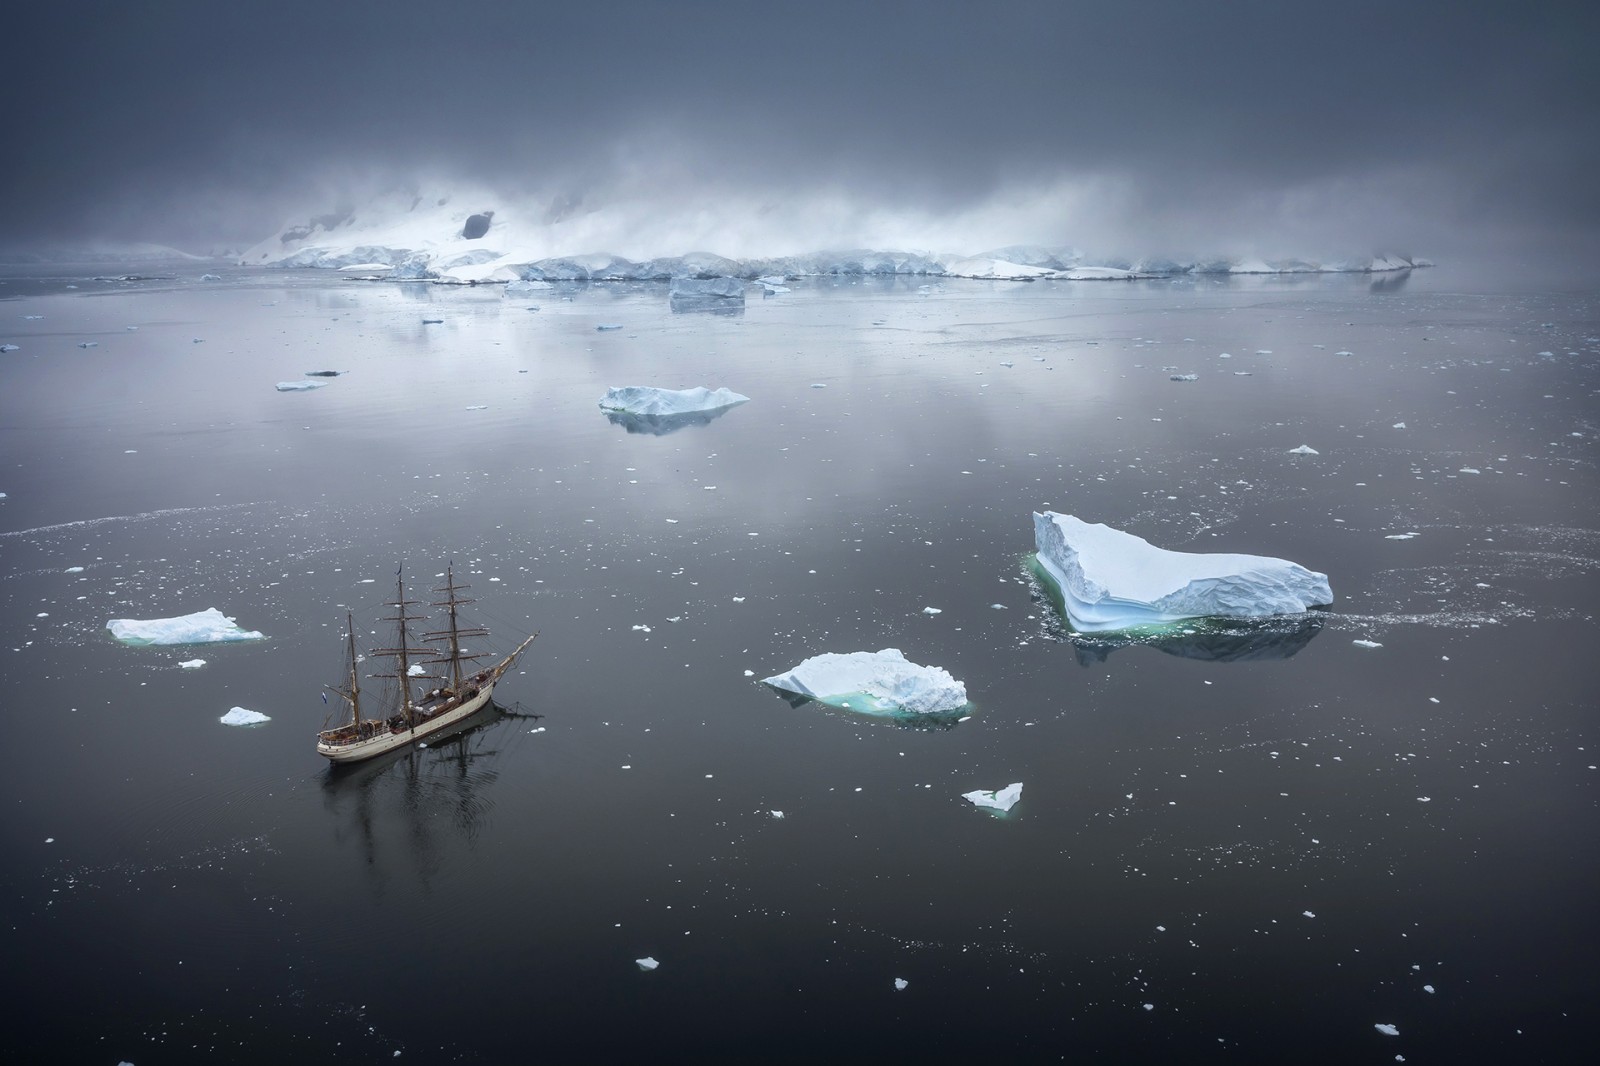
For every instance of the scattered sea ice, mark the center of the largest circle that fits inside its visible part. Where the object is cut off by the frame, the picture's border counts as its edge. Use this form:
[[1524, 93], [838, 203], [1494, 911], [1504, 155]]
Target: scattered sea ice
[[73, 569], [1304, 449], [192, 664]]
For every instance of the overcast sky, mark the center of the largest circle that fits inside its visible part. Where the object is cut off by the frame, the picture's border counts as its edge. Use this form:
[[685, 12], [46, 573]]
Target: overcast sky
[[1154, 126]]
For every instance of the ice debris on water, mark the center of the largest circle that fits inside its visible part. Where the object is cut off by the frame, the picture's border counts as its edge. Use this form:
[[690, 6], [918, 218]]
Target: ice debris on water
[[299, 386], [607, 327], [900, 984], [1366, 643], [647, 963], [240, 716], [651, 401], [1304, 449], [932, 610], [1387, 1029], [10, 348], [1111, 580], [881, 682], [209, 626], [1001, 799], [776, 814], [1183, 377], [191, 664]]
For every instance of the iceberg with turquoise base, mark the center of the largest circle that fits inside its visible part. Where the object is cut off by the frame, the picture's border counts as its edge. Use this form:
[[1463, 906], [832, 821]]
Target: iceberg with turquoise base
[[209, 626], [1109, 580], [877, 682]]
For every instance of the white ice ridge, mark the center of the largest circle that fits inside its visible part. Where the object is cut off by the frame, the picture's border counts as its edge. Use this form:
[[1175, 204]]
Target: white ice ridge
[[240, 716], [1001, 799], [882, 681], [209, 626], [647, 400], [1111, 580]]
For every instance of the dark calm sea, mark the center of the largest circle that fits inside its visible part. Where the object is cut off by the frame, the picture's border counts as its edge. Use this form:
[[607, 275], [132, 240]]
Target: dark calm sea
[[1264, 848]]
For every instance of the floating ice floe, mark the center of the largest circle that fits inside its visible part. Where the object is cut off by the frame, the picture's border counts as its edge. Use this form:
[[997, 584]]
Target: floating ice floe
[[299, 386], [1387, 1029], [648, 401], [1001, 799], [10, 348], [646, 964], [1304, 449], [1110, 580], [878, 682], [1183, 377], [191, 664], [240, 716], [900, 984], [209, 626]]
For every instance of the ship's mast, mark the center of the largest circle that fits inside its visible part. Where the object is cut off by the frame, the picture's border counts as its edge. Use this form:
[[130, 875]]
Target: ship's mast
[[355, 678], [456, 630], [402, 652]]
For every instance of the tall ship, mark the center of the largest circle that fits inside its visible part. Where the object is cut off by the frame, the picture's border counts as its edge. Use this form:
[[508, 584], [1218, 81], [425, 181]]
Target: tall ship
[[411, 718]]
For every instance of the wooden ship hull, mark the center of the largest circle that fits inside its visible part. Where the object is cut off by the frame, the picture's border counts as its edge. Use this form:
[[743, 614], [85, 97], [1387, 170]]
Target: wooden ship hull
[[414, 720]]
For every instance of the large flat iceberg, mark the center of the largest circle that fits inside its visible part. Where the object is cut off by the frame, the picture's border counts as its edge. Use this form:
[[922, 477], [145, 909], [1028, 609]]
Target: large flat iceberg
[[209, 626], [879, 682], [1110, 580], [652, 402]]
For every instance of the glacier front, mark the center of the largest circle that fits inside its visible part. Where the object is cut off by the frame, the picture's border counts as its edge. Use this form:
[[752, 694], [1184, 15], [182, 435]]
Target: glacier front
[[878, 682], [209, 626], [1109, 580]]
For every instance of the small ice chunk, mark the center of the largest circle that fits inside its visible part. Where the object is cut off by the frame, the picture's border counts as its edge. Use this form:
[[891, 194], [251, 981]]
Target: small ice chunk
[[932, 610], [299, 386], [89, 344], [1387, 1029], [647, 963], [1304, 449], [879, 681], [1428, 989], [74, 570], [1001, 799], [209, 626], [776, 814], [1399, 425], [1183, 377], [191, 664], [1470, 470], [1366, 644], [607, 327], [10, 348], [240, 716], [1111, 580], [1307, 914], [650, 401], [900, 984]]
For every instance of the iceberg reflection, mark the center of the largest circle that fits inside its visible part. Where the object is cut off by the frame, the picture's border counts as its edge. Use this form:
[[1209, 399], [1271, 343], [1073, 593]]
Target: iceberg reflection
[[661, 425]]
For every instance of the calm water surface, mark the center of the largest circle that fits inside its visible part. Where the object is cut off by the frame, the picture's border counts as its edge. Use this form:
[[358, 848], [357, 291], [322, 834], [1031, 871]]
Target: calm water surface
[[1257, 845]]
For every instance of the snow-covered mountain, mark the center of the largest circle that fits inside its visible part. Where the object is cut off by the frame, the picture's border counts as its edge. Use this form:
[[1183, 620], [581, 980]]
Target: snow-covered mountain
[[476, 237]]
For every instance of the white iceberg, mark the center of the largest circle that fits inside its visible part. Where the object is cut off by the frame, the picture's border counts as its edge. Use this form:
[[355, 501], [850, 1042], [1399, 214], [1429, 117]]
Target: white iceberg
[[240, 716], [209, 626], [881, 682], [646, 964], [1386, 1029], [1110, 580], [191, 664], [653, 402], [1304, 449], [299, 386], [1001, 799]]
